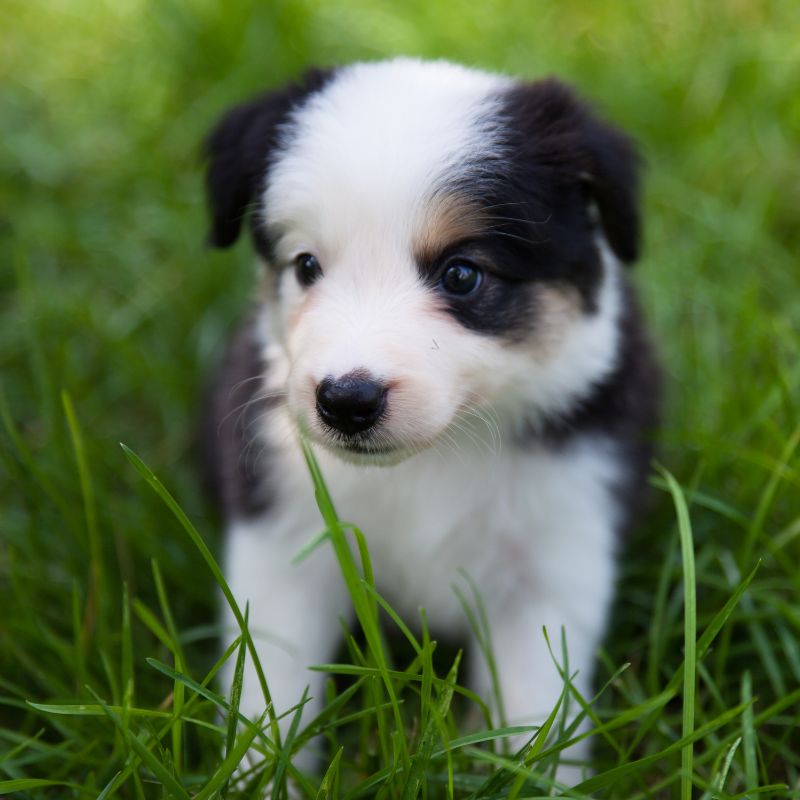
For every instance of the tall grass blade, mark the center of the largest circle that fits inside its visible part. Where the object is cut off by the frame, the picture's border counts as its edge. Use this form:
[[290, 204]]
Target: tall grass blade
[[422, 757], [96, 569], [364, 604], [479, 623], [194, 535], [180, 666], [749, 734], [236, 692], [690, 631]]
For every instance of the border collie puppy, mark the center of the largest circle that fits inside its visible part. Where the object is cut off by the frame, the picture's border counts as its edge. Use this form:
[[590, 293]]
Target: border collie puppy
[[446, 313]]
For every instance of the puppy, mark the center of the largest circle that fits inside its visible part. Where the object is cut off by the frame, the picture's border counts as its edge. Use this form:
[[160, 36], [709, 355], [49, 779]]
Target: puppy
[[446, 312]]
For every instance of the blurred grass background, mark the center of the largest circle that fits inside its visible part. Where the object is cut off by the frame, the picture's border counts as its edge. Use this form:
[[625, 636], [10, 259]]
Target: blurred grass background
[[107, 292]]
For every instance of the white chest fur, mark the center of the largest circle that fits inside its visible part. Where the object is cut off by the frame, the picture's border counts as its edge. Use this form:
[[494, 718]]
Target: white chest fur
[[534, 529], [521, 520]]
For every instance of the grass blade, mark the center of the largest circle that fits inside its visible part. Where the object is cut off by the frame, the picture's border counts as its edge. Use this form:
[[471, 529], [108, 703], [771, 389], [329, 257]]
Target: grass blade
[[23, 784], [329, 786], [236, 693], [613, 776], [151, 762], [96, 570], [749, 735], [232, 760], [437, 713], [364, 604], [690, 631], [180, 666], [211, 562], [479, 623], [93, 710]]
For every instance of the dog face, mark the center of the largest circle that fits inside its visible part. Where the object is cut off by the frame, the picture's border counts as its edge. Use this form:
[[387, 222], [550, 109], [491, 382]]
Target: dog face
[[441, 246]]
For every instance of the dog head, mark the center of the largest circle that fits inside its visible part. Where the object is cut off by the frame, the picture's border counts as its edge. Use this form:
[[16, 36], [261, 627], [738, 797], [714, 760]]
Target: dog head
[[441, 245]]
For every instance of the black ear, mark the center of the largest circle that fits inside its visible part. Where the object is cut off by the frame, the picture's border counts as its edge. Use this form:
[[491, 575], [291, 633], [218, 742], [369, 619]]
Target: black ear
[[612, 178], [553, 128], [239, 149]]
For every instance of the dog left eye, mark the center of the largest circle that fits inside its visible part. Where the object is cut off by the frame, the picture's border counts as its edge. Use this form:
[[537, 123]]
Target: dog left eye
[[461, 278], [307, 269]]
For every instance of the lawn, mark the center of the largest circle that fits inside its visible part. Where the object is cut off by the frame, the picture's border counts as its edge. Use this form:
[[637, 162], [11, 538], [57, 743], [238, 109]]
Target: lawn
[[112, 312]]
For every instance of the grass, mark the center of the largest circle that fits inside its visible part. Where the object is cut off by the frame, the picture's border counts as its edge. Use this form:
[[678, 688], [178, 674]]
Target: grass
[[111, 312]]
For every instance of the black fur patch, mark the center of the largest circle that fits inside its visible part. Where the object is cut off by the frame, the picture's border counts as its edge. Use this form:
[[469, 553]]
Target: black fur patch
[[233, 458], [501, 306], [563, 162], [240, 148], [564, 158], [558, 164]]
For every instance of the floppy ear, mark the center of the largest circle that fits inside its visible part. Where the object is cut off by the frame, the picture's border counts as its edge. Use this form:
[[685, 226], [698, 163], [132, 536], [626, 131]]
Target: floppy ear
[[239, 149], [563, 133], [612, 179]]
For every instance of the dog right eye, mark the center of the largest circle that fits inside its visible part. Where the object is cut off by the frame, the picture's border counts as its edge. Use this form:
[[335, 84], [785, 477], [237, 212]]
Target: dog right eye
[[307, 269], [461, 278]]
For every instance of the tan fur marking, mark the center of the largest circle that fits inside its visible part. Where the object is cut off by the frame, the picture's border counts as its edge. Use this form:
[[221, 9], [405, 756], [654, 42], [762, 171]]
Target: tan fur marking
[[556, 309], [447, 220]]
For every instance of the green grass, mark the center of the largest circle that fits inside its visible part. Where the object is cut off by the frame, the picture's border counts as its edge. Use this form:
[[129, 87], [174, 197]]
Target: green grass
[[111, 313]]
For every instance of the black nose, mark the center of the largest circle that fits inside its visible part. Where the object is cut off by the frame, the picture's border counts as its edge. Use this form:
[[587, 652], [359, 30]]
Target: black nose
[[352, 403]]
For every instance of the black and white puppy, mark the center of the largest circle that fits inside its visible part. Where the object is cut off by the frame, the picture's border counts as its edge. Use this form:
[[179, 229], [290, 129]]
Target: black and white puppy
[[445, 312]]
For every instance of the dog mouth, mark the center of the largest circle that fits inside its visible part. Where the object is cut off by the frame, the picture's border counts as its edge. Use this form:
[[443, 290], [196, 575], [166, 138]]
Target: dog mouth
[[364, 449], [375, 448]]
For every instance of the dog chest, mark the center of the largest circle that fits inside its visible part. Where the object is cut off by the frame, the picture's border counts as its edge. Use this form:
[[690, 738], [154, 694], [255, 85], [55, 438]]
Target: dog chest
[[518, 518]]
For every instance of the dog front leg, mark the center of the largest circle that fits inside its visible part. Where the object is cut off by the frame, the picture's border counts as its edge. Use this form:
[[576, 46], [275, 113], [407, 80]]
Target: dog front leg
[[529, 679], [294, 612]]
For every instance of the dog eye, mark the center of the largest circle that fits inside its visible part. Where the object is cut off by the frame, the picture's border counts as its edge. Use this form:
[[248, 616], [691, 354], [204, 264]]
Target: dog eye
[[307, 269], [461, 277]]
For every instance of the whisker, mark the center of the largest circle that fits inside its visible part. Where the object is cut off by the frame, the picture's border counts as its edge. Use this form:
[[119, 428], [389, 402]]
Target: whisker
[[487, 414], [467, 429], [247, 453], [489, 418], [447, 438], [256, 398], [236, 386]]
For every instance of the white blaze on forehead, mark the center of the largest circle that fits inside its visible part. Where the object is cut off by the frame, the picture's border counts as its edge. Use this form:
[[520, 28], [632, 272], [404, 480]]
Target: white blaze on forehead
[[363, 154]]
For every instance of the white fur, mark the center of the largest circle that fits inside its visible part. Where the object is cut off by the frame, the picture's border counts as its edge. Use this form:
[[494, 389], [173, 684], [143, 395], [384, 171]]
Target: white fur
[[360, 156], [549, 518], [533, 527]]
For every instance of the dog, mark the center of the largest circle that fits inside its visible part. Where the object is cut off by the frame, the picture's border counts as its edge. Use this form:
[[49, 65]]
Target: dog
[[446, 313]]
